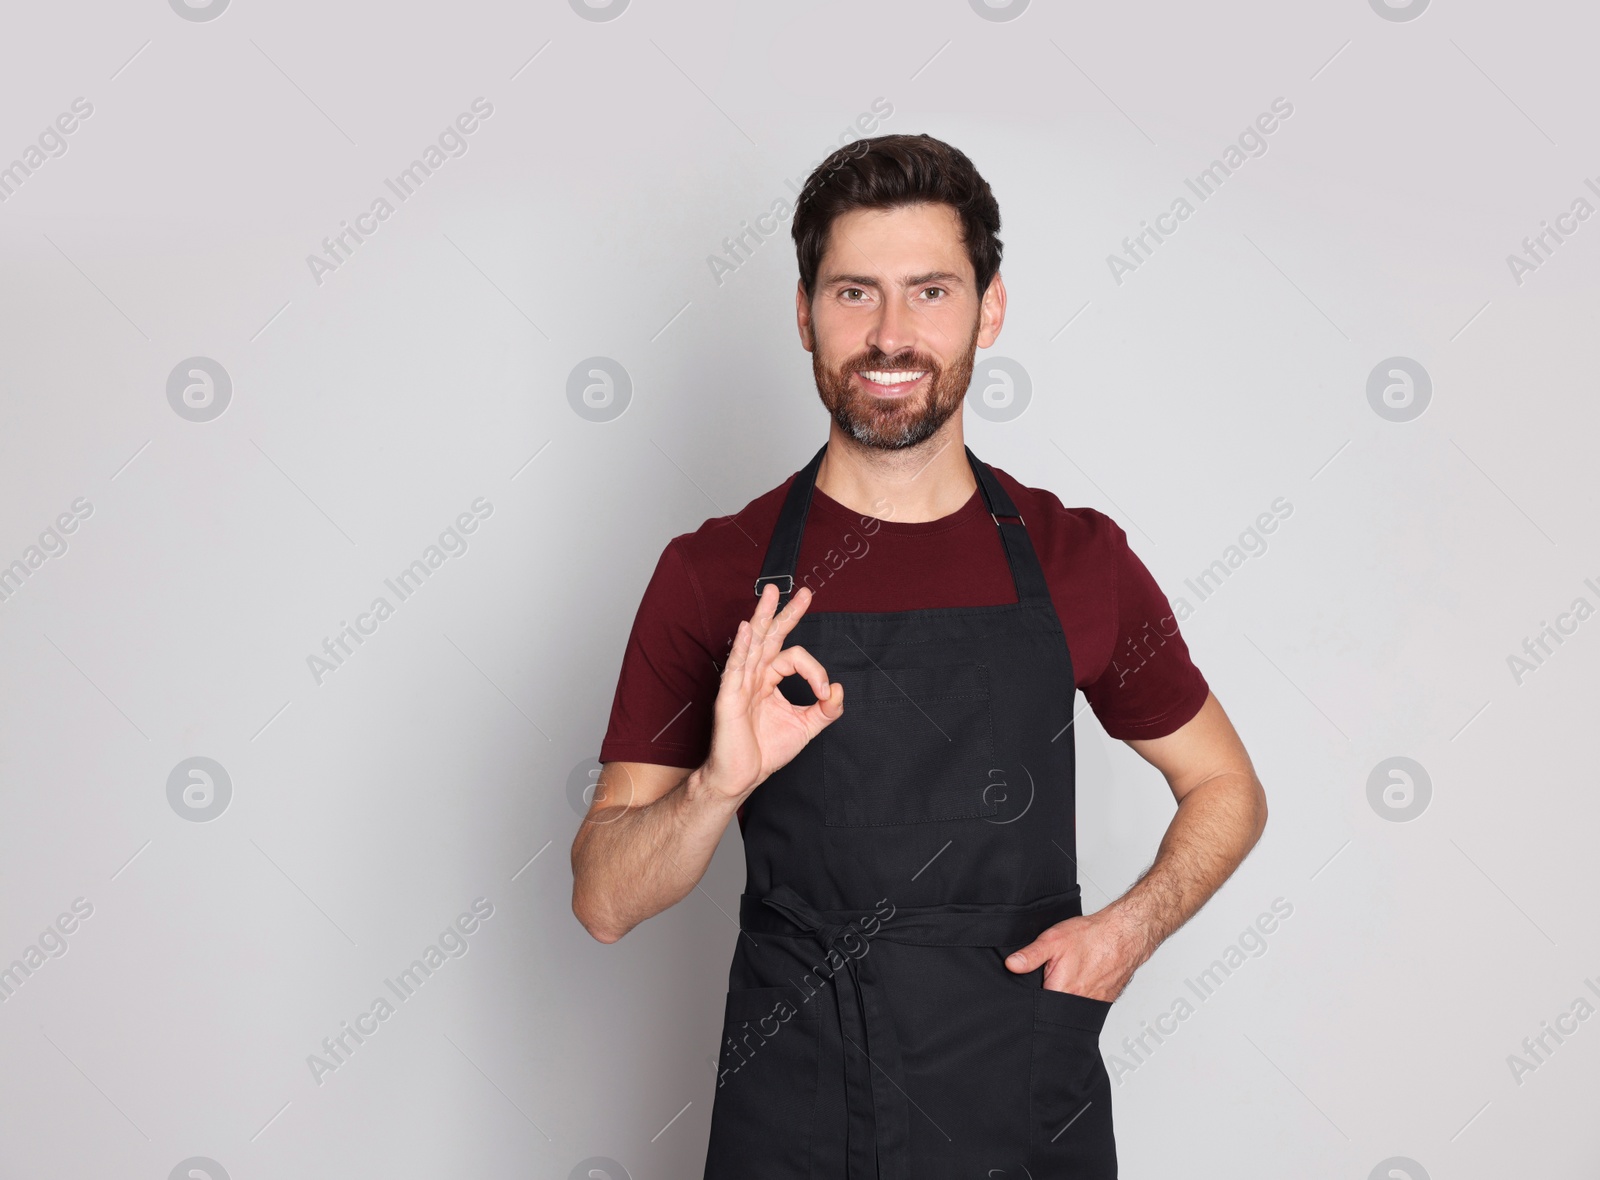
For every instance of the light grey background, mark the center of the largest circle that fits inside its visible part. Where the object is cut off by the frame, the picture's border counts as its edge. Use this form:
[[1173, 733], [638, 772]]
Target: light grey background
[[431, 368]]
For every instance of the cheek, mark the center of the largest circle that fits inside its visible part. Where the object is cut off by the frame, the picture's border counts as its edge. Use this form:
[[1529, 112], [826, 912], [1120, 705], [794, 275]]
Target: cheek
[[836, 345]]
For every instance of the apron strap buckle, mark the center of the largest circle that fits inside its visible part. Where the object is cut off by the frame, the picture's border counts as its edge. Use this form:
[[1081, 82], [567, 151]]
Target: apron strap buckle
[[780, 578]]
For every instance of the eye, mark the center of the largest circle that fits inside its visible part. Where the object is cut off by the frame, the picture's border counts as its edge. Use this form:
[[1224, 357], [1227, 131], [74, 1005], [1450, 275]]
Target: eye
[[849, 291], [932, 290]]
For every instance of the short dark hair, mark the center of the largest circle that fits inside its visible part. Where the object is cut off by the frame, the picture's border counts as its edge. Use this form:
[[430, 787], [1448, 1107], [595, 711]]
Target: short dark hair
[[887, 172]]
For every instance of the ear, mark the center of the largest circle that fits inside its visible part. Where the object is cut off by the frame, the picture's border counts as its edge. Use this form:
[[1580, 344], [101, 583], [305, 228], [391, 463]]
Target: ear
[[802, 315], [992, 312]]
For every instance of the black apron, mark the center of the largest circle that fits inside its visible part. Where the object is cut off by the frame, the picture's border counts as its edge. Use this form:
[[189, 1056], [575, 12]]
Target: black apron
[[872, 1030]]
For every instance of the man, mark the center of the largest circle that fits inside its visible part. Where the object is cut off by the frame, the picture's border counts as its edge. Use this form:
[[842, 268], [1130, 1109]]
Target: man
[[915, 992]]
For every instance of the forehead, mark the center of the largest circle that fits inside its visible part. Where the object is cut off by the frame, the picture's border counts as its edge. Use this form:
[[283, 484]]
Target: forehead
[[895, 243]]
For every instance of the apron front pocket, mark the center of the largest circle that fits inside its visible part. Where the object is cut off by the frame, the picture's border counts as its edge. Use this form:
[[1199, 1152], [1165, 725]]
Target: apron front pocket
[[1069, 1089], [765, 1102], [913, 745]]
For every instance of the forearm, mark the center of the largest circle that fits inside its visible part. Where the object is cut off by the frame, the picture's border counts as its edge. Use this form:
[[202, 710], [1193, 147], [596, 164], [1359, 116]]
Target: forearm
[[1216, 825], [631, 862]]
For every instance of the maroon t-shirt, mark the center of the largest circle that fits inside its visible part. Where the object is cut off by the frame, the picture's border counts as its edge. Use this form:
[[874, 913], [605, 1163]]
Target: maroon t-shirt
[[1127, 655]]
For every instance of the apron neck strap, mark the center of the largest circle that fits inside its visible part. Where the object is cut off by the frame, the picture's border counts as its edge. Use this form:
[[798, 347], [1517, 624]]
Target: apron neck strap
[[783, 550]]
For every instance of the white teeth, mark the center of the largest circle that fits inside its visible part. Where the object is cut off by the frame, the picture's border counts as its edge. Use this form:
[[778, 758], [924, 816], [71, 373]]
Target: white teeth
[[895, 377]]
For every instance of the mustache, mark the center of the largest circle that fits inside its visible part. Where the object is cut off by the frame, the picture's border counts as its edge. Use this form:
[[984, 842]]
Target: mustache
[[877, 360]]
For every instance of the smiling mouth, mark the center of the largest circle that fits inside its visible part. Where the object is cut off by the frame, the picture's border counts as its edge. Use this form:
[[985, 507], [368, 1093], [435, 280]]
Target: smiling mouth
[[891, 382]]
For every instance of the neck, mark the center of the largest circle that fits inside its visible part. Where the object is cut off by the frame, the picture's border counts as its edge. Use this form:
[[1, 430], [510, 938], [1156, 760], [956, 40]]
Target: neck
[[921, 483]]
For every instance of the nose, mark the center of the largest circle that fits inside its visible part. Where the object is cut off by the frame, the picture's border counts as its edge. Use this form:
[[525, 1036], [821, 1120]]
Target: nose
[[895, 329]]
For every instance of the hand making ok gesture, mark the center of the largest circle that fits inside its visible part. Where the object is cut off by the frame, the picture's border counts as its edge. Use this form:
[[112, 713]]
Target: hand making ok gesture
[[755, 730]]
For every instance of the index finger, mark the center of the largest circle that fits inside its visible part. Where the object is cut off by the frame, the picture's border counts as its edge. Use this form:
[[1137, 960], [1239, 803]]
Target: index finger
[[783, 622], [765, 606]]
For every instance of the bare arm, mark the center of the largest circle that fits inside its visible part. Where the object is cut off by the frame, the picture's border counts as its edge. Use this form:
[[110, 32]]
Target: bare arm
[[651, 830], [1222, 811], [649, 835]]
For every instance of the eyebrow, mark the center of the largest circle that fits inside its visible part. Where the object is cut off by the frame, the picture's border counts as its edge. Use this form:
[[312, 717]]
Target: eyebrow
[[933, 276]]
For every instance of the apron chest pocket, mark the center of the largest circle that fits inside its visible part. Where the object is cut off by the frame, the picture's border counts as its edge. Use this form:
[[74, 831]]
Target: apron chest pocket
[[913, 745]]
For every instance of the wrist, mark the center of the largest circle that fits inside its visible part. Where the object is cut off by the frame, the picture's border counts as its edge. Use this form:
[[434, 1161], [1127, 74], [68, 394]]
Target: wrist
[[1131, 933], [704, 788]]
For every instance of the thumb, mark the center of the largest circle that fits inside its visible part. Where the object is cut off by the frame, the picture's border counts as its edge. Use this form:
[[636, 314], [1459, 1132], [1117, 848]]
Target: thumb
[[829, 708], [1033, 955]]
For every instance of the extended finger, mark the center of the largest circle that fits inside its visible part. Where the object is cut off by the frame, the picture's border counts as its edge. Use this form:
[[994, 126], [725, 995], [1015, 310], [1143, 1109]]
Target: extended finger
[[768, 632], [785, 620], [760, 621], [766, 607], [772, 638], [738, 655]]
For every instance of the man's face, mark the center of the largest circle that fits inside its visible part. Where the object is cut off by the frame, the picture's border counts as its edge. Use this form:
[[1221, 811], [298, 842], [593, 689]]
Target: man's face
[[895, 323]]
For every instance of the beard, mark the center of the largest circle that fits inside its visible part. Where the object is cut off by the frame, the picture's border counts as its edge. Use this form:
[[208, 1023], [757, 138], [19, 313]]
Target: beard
[[892, 424]]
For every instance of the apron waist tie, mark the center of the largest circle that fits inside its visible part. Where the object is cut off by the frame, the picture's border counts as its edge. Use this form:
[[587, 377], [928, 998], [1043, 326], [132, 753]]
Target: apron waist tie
[[878, 1114], [877, 1125]]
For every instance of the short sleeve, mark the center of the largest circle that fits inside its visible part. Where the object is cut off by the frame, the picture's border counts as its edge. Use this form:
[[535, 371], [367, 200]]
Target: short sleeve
[[662, 710], [1150, 686]]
